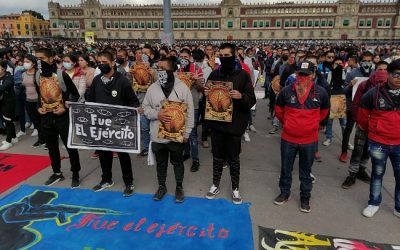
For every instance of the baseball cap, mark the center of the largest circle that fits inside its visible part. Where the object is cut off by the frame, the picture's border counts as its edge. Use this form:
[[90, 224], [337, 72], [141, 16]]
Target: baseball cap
[[305, 67]]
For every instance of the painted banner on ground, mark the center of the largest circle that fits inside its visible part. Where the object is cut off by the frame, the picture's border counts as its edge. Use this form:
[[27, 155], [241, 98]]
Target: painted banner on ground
[[104, 127], [55, 218], [271, 239]]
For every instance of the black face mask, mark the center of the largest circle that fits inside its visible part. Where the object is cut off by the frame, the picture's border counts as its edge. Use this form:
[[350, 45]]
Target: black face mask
[[227, 64], [285, 57], [105, 68], [120, 60], [46, 68]]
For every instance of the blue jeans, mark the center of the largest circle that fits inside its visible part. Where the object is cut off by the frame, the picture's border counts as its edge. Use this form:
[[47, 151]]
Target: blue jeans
[[379, 155], [306, 160], [328, 130], [192, 147], [145, 131]]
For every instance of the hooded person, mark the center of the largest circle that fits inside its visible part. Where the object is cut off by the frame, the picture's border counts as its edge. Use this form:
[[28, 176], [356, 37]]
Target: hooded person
[[300, 107]]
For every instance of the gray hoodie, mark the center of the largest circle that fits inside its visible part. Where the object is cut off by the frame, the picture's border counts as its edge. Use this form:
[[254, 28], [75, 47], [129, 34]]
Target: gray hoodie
[[152, 105]]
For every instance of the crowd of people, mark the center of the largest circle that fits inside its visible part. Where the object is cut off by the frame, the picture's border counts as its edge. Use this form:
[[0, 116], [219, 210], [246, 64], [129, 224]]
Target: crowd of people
[[38, 80]]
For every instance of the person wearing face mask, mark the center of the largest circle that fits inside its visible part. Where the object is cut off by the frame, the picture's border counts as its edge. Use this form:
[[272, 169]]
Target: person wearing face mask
[[226, 136], [379, 117], [191, 149], [111, 87], [168, 87], [71, 67], [28, 81], [7, 105], [360, 155], [365, 70], [56, 90], [87, 68], [123, 62], [300, 107]]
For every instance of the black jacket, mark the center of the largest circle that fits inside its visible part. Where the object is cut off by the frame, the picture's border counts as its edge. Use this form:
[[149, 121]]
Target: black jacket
[[7, 96], [241, 82], [117, 92]]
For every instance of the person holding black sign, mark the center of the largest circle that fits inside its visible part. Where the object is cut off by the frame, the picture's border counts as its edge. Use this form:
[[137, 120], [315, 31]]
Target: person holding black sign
[[168, 88], [111, 87]]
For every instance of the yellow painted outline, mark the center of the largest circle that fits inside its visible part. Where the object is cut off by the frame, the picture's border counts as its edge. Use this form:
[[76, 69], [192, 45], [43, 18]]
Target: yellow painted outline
[[68, 219]]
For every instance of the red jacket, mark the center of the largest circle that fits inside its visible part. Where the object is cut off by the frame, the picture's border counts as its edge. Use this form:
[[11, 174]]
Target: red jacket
[[301, 121], [380, 116]]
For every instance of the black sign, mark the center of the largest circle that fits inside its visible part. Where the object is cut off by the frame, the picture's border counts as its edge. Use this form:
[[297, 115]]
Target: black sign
[[271, 239], [104, 127]]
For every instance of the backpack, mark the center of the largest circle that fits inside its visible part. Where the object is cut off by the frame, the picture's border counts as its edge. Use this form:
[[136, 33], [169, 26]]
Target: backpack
[[60, 79]]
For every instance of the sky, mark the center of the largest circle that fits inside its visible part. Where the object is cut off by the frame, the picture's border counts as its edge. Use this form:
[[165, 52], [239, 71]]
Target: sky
[[16, 6]]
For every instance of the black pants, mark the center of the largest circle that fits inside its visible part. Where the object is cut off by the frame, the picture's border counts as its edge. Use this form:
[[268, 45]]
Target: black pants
[[31, 108], [347, 131], [226, 148], [10, 128], [106, 160], [162, 152], [53, 127]]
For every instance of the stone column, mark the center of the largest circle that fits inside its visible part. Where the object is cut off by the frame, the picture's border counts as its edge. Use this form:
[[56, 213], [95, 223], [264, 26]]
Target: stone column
[[167, 36]]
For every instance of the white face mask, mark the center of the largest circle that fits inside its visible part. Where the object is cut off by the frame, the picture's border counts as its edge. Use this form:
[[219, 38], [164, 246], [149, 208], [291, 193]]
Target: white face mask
[[27, 66]]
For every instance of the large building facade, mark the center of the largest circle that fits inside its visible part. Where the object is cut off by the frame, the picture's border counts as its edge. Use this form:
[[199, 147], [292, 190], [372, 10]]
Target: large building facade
[[23, 25], [231, 20]]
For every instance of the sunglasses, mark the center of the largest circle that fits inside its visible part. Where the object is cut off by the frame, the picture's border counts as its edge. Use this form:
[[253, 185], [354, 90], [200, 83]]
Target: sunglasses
[[395, 74]]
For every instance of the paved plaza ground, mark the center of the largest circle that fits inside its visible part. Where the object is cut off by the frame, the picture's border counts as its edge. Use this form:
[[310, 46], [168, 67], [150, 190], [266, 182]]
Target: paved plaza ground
[[335, 211]]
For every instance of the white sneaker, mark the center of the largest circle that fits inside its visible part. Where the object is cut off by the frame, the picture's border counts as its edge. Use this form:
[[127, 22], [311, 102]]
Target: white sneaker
[[5, 146], [351, 146], [34, 133], [327, 142], [246, 137], [32, 126], [370, 211], [27, 125], [20, 133], [13, 140], [236, 198], [396, 213], [252, 129], [212, 193]]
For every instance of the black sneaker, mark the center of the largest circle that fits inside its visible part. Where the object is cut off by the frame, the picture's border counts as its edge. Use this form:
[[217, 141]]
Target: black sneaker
[[350, 181], [186, 157], [362, 175], [102, 185], [161, 191], [128, 190], [179, 195], [281, 199], [305, 205], [195, 166], [53, 179], [37, 144], [75, 183], [144, 152]]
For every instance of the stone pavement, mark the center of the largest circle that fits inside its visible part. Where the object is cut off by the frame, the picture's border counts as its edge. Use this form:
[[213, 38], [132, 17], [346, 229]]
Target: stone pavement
[[335, 211]]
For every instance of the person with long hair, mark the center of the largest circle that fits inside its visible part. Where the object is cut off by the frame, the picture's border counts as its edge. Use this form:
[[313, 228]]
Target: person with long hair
[[71, 67]]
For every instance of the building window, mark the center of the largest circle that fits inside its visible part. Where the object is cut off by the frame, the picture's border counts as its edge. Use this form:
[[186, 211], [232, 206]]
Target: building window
[[346, 22], [255, 24], [116, 25], [369, 22], [230, 24], [188, 25], [209, 25], [267, 24], [323, 23], [248, 34], [330, 23], [155, 25], [380, 23], [202, 24], [278, 24], [93, 25], [216, 25], [136, 25], [196, 25], [261, 24], [387, 23], [360, 33], [142, 25], [329, 33], [175, 25], [69, 25], [149, 25], [316, 23], [182, 25], [162, 25], [286, 23], [129, 25], [54, 25], [302, 23], [272, 33], [244, 24], [108, 25], [294, 24], [309, 23], [122, 25], [361, 23]]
